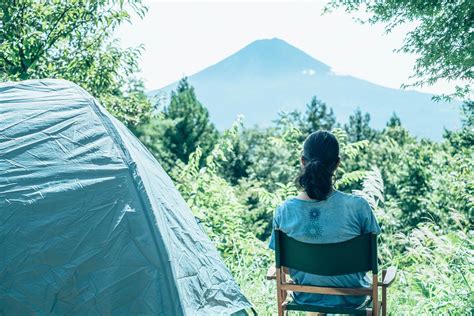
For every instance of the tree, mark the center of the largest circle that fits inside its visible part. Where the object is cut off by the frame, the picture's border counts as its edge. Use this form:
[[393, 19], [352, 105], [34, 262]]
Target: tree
[[443, 38], [464, 138], [358, 127], [72, 40], [395, 131], [151, 134], [237, 158], [318, 116], [192, 127], [394, 121]]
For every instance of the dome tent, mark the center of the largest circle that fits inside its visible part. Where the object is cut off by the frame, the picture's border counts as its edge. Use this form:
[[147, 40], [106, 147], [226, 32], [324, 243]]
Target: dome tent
[[90, 222]]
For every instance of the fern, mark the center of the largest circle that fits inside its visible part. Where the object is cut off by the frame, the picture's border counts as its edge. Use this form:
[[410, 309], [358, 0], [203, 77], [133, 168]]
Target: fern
[[372, 188]]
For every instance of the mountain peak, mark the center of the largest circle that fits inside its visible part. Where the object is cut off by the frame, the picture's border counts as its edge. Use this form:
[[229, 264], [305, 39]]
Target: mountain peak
[[270, 42], [270, 56]]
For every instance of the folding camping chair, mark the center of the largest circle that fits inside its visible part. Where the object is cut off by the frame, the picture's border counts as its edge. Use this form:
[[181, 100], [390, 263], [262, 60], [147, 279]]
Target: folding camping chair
[[356, 255]]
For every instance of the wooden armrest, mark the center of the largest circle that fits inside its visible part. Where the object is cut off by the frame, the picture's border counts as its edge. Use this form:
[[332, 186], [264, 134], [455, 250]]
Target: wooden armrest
[[271, 273], [389, 276]]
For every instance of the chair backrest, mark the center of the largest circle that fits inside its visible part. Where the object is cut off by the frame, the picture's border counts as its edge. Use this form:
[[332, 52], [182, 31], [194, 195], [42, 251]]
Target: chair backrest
[[355, 255]]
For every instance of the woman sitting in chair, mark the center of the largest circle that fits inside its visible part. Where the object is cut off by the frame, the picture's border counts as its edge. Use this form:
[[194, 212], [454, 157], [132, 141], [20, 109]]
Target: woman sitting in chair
[[320, 214]]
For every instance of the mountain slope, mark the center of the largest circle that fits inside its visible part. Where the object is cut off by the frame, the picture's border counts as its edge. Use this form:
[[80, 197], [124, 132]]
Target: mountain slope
[[268, 76]]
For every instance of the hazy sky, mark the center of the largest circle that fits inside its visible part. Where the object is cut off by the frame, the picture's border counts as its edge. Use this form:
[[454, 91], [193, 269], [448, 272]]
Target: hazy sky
[[182, 38]]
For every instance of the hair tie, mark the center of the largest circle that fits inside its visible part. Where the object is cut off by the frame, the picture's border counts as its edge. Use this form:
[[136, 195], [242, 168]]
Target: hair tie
[[318, 161], [311, 160]]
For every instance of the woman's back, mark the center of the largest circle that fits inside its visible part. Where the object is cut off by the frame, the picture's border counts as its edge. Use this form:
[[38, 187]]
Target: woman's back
[[338, 218]]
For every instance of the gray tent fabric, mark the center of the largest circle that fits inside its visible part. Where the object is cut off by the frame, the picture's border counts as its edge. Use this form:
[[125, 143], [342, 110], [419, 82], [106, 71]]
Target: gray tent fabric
[[89, 221]]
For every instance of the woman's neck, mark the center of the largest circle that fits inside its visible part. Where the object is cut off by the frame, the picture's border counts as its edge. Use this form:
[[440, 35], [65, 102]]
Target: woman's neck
[[304, 196]]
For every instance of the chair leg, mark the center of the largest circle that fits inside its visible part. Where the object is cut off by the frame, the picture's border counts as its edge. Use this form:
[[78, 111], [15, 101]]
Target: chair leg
[[280, 298], [384, 301], [280, 303], [375, 296], [384, 295]]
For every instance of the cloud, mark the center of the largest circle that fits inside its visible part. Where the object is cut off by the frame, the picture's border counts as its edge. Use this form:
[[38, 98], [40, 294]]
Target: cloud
[[308, 72]]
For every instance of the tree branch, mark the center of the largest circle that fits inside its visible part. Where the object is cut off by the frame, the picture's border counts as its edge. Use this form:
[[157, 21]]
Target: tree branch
[[42, 49]]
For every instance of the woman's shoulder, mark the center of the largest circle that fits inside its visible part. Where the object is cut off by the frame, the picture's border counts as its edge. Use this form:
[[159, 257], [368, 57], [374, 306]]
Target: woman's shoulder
[[292, 203], [354, 203], [354, 198]]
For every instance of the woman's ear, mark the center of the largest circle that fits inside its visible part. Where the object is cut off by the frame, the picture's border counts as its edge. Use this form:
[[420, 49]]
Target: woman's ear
[[338, 163], [302, 161]]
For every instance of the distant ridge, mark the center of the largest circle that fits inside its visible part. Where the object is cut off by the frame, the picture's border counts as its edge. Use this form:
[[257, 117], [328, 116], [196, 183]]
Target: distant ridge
[[270, 75]]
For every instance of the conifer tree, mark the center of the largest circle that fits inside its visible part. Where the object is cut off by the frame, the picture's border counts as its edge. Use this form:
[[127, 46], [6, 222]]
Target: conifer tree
[[191, 128], [394, 121], [358, 127], [395, 130], [318, 116]]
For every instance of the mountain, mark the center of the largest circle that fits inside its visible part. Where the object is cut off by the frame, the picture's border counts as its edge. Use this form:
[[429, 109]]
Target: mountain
[[270, 75]]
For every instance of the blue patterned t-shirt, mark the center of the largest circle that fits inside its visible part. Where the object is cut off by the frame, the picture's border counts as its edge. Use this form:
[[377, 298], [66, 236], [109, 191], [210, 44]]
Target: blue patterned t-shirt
[[338, 218]]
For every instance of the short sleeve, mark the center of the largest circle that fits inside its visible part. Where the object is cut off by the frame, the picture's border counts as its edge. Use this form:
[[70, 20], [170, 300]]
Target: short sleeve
[[275, 224], [369, 222]]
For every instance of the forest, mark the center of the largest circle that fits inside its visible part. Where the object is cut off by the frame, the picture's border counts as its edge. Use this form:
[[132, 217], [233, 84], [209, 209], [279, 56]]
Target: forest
[[421, 191]]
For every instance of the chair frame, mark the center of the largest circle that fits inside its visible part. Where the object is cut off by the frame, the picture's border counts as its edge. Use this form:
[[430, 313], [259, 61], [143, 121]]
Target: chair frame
[[279, 273]]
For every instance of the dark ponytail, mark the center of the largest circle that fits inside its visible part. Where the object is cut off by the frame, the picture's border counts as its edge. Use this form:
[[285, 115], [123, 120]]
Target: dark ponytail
[[320, 159]]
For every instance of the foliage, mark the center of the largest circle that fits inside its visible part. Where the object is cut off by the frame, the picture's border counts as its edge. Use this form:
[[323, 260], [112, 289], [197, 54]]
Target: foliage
[[192, 128], [358, 127], [435, 267], [317, 116], [72, 40], [434, 261], [442, 39], [216, 203], [235, 164], [183, 126], [464, 138], [151, 134], [395, 131], [394, 121], [436, 272]]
